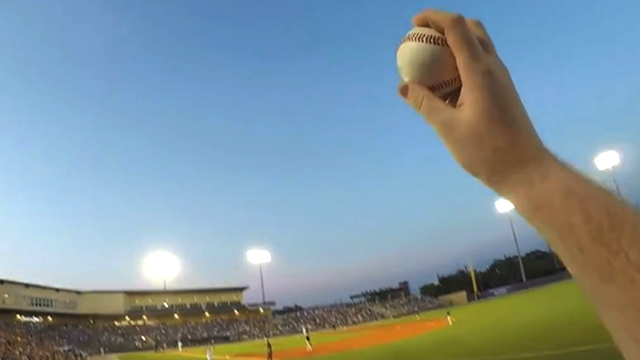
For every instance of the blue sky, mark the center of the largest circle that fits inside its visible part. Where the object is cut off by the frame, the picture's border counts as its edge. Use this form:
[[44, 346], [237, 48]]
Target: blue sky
[[209, 127]]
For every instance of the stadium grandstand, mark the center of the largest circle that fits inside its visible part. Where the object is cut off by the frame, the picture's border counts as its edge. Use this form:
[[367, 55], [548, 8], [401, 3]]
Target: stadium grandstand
[[29, 300], [41, 320]]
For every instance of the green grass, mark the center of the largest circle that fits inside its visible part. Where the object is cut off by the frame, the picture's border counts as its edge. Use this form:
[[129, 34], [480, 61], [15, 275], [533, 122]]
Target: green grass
[[550, 323]]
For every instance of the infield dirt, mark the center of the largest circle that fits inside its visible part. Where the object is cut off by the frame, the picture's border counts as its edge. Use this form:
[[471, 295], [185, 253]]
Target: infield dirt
[[367, 337]]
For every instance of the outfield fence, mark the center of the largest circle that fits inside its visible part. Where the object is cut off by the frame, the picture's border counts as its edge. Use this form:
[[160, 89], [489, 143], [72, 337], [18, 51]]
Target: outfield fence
[[510, 289]]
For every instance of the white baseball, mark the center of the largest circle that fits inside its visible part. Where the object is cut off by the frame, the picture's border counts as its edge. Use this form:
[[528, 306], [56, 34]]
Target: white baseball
[[424, 57]]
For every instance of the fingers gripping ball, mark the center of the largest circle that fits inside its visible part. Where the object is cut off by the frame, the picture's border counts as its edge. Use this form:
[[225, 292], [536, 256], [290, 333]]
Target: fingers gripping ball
[[424, 57]]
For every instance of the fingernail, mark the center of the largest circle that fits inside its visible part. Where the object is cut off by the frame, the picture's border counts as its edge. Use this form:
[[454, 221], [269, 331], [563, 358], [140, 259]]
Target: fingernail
[[404, 90]]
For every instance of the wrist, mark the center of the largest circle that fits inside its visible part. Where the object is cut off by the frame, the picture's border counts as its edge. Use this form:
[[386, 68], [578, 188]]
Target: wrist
[[528, 180]]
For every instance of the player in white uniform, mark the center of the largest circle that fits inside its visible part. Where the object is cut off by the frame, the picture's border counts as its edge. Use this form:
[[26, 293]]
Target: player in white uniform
[[307, 339], [210, 353], [179, 345]]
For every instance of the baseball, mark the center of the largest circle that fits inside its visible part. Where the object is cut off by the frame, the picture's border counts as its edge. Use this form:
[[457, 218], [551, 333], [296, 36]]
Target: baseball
[[424, 57]]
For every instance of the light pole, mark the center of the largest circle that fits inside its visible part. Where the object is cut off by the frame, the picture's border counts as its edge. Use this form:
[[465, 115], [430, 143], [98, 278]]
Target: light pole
[[606, 161], [161, 265], [259, 257], [505, 206]]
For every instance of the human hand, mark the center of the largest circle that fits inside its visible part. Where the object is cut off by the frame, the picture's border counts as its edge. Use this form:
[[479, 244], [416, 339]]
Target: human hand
[[487, 130]]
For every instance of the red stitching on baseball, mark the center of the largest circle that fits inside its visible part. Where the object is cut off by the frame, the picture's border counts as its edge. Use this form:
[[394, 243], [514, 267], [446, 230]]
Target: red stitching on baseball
[[442, 85], [428, 39]]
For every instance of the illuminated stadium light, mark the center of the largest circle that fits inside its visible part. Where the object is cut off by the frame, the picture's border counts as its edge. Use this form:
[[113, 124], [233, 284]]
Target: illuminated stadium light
[[505, 206], [162, 266], [259, 257], [29, 319], [606, 161], [206, 313], [176, 316], [235, 311]]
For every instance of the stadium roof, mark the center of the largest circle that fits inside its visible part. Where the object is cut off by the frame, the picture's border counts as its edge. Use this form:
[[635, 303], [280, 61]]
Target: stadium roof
[[128, 292], [28, 285], [172, 291]]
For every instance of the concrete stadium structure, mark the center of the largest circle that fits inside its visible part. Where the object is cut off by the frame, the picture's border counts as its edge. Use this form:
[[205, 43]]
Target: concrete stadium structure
[[25, 299]]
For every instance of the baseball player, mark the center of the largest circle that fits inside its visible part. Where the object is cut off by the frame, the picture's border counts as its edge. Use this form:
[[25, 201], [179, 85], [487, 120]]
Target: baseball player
[[179, 345], [449, 318], [209, 352], [307, 339], [269, 350]]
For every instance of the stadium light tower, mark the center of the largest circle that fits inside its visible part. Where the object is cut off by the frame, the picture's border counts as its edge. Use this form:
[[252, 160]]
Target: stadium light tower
[[505, 206], [161, 265], [259, 257], [606, 161]]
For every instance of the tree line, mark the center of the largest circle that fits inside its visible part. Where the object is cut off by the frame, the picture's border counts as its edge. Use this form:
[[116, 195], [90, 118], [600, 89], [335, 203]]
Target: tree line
[[502, 272]]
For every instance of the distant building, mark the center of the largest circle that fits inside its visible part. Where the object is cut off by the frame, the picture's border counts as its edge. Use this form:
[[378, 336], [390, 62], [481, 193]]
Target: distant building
[[384, 294], [31, 302]]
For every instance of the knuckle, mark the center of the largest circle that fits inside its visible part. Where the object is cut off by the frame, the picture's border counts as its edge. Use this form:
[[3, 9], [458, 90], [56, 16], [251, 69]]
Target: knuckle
[[457, 20], [485, 45], [418, 103], [476, 23]]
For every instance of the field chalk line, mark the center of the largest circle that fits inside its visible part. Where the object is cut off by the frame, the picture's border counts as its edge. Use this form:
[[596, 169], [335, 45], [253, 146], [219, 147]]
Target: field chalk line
[[540, 353], [215, 357]]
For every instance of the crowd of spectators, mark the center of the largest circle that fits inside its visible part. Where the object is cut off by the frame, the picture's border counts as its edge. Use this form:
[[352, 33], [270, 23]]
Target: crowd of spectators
[[405, 306], [30, 341]]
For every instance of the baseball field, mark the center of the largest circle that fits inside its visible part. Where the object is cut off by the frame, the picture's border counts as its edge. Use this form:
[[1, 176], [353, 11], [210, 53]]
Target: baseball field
[[554, 322]]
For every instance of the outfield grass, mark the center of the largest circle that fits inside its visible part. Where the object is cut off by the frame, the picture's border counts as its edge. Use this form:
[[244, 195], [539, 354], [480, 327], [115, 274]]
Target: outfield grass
[[550, 323]]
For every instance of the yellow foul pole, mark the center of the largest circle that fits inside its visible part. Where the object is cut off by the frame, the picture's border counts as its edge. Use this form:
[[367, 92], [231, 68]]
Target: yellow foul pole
[[472, 273]]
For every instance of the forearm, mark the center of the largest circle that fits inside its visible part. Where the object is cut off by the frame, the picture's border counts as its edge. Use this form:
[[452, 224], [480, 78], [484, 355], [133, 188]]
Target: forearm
[[597, 236]]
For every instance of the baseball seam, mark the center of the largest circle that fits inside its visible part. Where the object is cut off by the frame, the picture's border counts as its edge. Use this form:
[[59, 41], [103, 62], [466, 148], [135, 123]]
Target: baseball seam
[[428, 39], [443, 85]]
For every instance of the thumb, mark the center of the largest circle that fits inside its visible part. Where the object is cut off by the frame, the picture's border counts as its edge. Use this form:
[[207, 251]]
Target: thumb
[[423, 101]]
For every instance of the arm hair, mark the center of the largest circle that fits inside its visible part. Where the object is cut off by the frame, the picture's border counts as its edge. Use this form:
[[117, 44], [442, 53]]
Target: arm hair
[[596, 234]]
